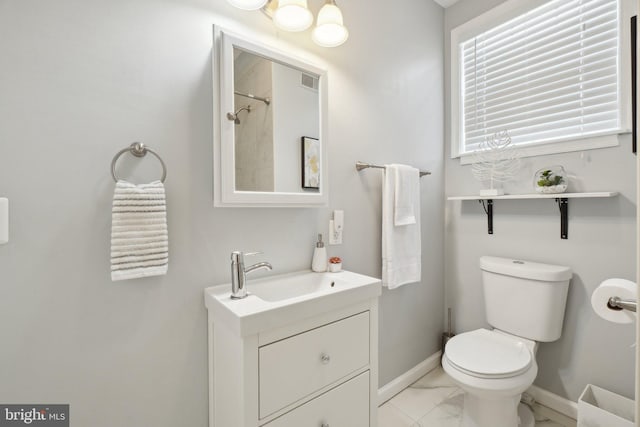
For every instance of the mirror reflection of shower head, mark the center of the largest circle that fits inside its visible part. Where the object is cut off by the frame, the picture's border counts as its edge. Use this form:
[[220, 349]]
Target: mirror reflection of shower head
[[234, 116]]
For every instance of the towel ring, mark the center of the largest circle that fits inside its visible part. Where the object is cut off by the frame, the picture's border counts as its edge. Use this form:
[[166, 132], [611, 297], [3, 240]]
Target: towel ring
[[138, 149]]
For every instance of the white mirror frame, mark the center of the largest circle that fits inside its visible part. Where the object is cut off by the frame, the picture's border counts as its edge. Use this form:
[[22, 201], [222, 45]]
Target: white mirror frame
[[225, 194]]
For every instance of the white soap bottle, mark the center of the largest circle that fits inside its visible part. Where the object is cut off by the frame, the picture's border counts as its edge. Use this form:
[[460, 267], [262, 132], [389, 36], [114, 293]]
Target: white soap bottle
[[319, 261]]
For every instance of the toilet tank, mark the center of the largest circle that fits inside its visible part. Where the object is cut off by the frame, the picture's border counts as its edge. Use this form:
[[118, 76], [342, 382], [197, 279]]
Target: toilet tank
[[525, 298]]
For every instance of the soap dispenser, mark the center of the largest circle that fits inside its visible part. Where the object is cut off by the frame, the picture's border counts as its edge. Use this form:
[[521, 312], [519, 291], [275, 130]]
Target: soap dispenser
[[319, 262]]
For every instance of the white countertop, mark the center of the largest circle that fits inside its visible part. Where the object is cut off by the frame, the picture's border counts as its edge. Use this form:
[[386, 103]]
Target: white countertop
[[253, 314]]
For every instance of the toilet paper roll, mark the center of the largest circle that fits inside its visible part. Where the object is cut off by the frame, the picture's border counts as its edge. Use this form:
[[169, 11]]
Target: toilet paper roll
[[621, 288]]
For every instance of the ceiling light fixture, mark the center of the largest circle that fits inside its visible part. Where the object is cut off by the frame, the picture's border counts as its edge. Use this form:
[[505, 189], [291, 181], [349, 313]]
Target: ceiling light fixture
[[248, 4], [330, 30], [292, 15], [295, 16]]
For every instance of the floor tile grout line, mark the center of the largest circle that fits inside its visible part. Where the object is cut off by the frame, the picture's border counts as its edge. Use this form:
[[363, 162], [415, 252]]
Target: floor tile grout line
[[455, 390], [401, 411], [439, 405]]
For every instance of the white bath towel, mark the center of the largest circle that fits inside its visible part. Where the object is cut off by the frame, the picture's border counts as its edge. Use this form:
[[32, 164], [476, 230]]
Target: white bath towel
[[401, 247], [406, 184], [139, 238]]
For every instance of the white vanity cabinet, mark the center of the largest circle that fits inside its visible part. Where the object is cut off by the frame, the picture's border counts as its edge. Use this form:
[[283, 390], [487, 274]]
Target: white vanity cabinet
[[345, 405], [302, 364], [320, 370]]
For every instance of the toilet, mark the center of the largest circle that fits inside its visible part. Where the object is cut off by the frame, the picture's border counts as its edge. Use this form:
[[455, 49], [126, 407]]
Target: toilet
[[525, 303]]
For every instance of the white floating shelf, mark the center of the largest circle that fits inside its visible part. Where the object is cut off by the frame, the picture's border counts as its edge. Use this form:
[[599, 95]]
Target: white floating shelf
[[538, 196], [561, 198]]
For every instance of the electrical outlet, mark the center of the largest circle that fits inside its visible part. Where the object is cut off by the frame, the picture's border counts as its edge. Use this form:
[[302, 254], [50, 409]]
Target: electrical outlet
[[335, 237]]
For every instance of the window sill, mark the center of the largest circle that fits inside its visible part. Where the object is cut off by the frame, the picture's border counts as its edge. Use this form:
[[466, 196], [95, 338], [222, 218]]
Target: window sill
[[543, 149]]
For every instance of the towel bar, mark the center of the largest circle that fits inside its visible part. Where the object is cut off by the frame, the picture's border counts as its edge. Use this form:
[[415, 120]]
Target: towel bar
[[363, 165], [138, 149]]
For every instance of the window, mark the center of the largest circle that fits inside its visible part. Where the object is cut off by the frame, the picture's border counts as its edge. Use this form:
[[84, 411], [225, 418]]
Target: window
[[551, 76]]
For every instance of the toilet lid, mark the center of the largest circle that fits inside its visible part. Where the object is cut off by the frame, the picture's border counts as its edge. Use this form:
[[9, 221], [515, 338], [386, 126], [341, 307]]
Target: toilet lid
[[484, 353]]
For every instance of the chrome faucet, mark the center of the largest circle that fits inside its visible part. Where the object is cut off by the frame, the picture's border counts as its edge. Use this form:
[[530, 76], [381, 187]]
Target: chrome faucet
[[239, 273]]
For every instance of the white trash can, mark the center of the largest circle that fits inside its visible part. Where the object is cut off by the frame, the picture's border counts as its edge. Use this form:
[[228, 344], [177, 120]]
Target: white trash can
[[598, 407]]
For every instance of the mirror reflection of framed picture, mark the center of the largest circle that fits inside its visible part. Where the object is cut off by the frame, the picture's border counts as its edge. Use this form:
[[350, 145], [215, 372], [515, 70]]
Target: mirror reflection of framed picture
[[310, 163]]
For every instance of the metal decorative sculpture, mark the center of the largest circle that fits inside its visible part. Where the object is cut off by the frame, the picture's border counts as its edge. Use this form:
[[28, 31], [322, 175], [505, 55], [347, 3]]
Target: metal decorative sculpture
[[496, 161]]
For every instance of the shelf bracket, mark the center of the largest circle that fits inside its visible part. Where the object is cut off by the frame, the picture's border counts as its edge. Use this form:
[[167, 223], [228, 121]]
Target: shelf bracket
[[563, 204], [488, 209], [561, 199]]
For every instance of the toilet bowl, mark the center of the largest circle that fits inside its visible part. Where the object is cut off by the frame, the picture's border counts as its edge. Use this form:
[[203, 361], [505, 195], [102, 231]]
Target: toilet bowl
[[525, 303], [493, 369]]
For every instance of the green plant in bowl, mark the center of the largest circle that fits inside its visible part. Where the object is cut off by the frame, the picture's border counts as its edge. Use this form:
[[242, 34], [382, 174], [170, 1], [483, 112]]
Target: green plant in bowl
[[548, 179], [551, 180]]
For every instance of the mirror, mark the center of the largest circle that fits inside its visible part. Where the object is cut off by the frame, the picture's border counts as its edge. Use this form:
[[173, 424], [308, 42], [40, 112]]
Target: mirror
[[271, 148]]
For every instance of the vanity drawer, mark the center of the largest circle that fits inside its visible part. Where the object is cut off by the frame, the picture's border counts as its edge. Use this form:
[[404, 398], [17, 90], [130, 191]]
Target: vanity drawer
[[300, 365], [344, 406]]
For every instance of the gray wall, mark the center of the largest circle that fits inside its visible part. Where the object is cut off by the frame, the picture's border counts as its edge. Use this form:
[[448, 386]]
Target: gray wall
[[81, 79], [601, 245]]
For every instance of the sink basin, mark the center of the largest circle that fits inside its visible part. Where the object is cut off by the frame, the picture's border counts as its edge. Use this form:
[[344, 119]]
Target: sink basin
[[286, 287], [279, 300]]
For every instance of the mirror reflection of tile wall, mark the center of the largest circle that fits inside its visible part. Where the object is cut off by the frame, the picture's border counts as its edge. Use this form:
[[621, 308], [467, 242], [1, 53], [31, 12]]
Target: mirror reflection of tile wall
[[254, 134]]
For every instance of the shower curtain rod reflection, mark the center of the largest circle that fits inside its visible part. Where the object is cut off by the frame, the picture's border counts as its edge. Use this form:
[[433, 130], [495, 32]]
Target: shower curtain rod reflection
[[257, 98]]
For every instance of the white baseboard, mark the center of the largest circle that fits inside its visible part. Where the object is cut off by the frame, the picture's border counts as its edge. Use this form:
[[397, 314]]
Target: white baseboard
[[555, 402], [398, 384]]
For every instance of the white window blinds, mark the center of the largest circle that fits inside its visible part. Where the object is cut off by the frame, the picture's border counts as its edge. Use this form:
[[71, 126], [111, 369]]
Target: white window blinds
[[548, 75]]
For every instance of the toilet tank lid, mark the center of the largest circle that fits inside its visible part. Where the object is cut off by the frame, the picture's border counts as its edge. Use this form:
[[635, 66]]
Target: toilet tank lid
[[525, 269]]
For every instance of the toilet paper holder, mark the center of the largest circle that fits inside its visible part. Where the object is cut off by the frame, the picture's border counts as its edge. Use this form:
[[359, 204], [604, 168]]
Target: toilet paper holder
[[617, 304]]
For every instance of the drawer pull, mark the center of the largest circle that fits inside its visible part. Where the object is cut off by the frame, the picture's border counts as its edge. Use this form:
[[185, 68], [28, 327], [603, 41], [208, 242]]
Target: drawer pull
[[325, 425], [325, 358]]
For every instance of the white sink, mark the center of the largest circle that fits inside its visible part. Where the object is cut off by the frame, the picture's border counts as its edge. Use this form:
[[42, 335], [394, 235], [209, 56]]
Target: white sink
[[279, 300], [286, 287]]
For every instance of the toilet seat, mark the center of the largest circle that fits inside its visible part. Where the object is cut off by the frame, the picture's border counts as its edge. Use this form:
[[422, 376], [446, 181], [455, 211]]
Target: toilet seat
[[488, 354]]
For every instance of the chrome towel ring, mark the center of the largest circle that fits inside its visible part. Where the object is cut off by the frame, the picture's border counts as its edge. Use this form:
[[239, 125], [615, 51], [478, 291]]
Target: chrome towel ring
[[138, 149]]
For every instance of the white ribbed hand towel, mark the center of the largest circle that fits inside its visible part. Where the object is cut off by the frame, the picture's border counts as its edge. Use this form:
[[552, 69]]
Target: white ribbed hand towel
[[401, 247], [139, 238]]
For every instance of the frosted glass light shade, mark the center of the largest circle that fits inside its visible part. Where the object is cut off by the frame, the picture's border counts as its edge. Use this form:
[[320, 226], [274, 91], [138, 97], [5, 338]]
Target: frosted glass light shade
[[330, 30], [292, 15], [248, 4]]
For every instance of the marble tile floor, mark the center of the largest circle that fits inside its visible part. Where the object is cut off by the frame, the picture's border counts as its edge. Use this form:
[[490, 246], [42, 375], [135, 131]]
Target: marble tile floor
[[435, 401]]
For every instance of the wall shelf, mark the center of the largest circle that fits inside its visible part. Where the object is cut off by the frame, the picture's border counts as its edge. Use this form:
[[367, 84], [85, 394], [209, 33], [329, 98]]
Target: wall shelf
[[561, 198]]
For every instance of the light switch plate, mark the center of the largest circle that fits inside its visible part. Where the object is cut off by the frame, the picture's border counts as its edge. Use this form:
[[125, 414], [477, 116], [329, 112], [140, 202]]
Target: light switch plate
[[335, 237], [4, 220]]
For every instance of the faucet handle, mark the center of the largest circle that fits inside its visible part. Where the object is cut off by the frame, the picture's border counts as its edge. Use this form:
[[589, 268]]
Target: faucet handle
[[238, 256], [252, 253]]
